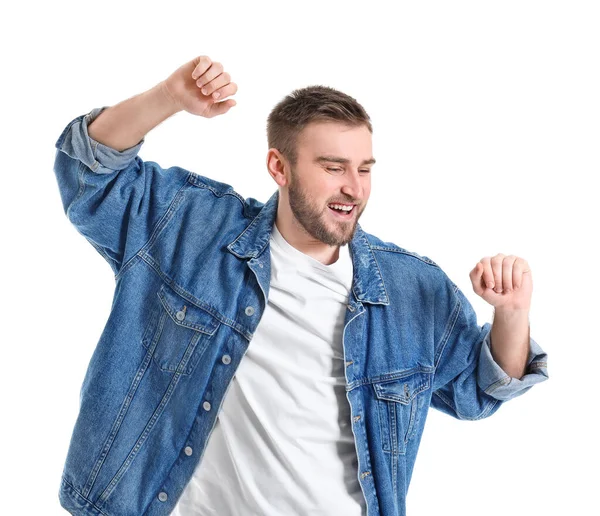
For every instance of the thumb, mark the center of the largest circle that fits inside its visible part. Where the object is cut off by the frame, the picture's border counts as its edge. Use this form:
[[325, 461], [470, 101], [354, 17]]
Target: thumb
[[220, 108]]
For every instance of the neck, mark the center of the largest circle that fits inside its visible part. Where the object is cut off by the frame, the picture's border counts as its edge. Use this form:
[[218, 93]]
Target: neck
[[298, 238]]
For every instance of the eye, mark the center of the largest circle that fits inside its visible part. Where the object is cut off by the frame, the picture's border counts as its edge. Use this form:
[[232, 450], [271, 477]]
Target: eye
[[334, 169], [367, 170]]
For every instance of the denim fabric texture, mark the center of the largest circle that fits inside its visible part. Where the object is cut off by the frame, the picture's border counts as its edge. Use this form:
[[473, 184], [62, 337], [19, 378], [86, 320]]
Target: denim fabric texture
[[191, 260]]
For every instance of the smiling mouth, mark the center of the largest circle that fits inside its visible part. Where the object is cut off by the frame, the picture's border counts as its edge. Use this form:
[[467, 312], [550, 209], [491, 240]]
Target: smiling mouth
[[342, 211]]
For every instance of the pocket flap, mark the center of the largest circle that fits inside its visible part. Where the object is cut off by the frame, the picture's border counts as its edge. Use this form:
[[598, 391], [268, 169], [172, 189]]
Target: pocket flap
[[185, 313], [403, 390]]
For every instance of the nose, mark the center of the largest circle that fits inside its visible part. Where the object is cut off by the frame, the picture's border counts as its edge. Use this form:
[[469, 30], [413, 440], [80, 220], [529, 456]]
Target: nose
[[353, 185]]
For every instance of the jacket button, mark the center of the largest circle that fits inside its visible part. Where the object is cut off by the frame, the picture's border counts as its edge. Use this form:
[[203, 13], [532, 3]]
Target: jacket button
[[249, 310], [188, 450], [226, 359], [206, 405], [162, 496], [180, 315]]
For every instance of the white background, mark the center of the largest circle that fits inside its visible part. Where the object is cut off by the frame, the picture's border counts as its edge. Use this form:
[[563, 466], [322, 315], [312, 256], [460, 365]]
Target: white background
[[486, 131]]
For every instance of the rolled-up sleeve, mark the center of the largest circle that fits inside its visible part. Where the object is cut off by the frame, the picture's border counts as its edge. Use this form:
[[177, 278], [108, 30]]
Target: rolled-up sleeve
[[113, 198], [497, 383], [78, 144], [468, 383]]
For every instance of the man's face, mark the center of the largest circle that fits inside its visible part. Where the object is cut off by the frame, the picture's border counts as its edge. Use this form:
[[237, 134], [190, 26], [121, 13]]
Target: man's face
[[333, 167]]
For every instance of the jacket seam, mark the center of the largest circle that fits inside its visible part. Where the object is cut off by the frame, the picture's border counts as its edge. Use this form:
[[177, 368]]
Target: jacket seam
[[194, 180], [149, 261], [80, 173], [114, 430], [449, 329], [404, 251], [143, 438], [85, 499], [158, 227], [487, 406]]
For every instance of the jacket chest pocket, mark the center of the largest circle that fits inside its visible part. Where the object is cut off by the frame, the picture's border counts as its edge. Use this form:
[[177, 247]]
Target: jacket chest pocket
[[178, 332], [400, 406]]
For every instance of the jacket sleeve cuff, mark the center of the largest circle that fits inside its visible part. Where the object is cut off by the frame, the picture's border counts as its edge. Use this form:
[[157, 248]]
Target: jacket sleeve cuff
[[494, 380], [76, 142]]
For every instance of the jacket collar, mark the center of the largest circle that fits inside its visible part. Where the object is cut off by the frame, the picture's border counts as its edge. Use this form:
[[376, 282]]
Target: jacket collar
[[367, 284]]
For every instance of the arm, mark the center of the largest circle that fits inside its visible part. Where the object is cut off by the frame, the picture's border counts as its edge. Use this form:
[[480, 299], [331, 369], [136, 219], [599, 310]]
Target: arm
[[115, 199], [509, 340], [468, 383], [125, 124]]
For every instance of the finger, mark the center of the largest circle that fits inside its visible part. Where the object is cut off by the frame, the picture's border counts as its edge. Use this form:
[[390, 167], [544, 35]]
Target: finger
[[225, 91], [212, 72], [476, 276], [218, 82], [507, 273], [220, 108], [520, 267], [203, 64], [488, 277], [496, 263]]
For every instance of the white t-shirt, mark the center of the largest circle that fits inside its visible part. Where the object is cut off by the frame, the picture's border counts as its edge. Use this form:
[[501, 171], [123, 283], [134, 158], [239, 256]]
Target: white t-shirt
[[282, 443]]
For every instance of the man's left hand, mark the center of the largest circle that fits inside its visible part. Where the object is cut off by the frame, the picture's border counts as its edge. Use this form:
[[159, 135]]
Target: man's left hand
[[503, 281]]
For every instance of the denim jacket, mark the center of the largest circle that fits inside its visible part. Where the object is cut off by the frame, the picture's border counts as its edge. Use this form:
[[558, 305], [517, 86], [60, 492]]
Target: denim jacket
[[191, 260]]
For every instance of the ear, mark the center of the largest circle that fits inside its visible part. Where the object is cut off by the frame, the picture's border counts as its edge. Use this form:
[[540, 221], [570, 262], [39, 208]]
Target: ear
[[278, 167]]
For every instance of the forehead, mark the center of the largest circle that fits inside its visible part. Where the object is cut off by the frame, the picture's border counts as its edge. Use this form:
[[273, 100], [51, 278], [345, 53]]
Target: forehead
[[319, 138]]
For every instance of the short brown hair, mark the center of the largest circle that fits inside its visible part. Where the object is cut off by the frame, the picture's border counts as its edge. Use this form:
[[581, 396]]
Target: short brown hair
[[310, 104]]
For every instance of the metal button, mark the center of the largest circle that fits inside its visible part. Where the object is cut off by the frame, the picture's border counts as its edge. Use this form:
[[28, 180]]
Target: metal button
[[206, 405], [260, 265], [249, 310], [188, 450], [226, 359], [162, 496], [181, 314]]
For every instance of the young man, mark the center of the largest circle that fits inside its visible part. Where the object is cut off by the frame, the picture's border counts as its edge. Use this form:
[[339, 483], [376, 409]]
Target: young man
[[306, 349]]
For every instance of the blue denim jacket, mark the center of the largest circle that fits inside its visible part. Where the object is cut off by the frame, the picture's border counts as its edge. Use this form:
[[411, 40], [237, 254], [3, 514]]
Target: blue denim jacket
[[192, 268]]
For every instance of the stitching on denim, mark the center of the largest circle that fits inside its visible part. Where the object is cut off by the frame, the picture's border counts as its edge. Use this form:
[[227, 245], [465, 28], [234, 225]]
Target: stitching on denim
[[142, 439], [228, 322], [119, 419], [81, 171], [381, 284], [158, 227], [505, 380], [194, 179], [232, 244], [488, 407], [86, 500], [165, 303], [406, 252], [449, 328], [389, 376]]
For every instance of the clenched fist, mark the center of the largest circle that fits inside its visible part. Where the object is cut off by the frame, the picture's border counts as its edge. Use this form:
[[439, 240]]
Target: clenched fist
[[200, 87]]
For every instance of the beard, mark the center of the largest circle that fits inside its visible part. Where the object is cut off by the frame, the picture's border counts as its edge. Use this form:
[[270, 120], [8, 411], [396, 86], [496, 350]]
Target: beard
[[315, 219]]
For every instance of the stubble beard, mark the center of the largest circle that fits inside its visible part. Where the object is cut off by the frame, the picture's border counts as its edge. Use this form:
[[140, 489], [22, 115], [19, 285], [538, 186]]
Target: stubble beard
[[313, 220]]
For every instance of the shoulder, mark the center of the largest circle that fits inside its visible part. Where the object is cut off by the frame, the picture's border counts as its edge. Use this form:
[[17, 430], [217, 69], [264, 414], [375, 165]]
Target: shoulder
[[392, 252], [250, 206], [406, 268]]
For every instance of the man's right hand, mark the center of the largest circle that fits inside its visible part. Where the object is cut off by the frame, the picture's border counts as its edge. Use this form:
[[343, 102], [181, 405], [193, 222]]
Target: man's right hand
[[199, 88]]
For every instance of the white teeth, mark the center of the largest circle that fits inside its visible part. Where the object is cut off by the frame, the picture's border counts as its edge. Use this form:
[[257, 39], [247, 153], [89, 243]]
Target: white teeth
[[340, 207]]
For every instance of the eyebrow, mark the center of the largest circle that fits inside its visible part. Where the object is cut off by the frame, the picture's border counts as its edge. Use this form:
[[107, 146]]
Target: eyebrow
[[345, 161]]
